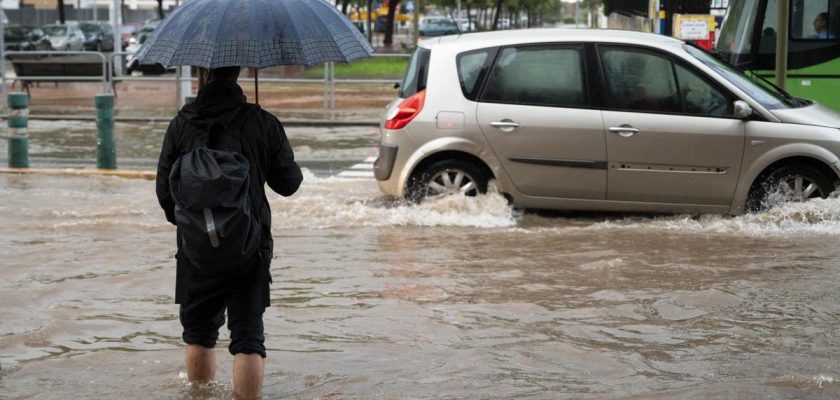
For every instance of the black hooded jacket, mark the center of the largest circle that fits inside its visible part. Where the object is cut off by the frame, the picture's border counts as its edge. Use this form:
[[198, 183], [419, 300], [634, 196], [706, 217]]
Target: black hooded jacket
[[264, 144]]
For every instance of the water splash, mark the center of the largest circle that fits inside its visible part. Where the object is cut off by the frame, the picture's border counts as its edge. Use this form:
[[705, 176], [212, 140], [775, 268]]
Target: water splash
[[337, 202]]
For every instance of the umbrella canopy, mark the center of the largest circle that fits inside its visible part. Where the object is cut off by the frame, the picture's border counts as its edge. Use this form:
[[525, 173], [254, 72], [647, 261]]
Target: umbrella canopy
[[254, 34]]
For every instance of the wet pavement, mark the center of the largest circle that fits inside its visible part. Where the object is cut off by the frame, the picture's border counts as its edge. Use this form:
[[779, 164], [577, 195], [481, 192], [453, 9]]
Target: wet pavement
[[376, 299]]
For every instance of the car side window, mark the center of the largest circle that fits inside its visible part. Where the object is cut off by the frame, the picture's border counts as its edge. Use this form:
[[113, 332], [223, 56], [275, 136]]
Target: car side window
[[472, 66], [537, 75], [640, 81], [701, 98]]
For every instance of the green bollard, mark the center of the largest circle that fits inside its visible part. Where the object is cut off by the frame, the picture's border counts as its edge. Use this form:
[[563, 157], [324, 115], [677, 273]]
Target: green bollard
[[106, 153], [18, 127]]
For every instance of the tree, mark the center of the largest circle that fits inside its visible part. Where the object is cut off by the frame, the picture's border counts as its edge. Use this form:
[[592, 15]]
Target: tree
[[61, 11], [389, 26], [498, 14], [160, 8]]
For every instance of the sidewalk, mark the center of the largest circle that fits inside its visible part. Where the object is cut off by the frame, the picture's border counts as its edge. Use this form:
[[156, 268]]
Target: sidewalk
[[292, 103]]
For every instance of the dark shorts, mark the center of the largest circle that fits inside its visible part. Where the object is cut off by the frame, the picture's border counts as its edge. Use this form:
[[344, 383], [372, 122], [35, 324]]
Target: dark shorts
[[205, 297]]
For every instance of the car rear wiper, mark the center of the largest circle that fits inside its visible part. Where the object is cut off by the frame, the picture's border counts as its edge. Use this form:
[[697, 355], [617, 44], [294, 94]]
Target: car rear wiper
[[748, 72]]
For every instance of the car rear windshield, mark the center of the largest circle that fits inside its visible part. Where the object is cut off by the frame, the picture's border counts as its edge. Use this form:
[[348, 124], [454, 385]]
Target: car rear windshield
[[417, 73], [55, 30], [89, 28]]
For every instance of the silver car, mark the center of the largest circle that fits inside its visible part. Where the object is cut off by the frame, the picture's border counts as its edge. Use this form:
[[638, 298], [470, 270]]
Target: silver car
[[600, 120], [65, 37]]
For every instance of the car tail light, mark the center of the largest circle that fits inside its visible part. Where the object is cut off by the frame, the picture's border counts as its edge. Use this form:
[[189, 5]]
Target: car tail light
[[406, 111]]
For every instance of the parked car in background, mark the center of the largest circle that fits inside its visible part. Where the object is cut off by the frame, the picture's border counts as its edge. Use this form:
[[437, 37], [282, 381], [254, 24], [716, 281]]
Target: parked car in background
[[132, 64], [127, 32], [24, 37], [65, 37], [145, 30], [99, 36], [465, 25], [437, 26], [600, 120]]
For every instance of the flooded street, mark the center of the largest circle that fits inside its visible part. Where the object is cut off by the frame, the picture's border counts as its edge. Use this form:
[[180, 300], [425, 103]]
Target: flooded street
[[374, 299]]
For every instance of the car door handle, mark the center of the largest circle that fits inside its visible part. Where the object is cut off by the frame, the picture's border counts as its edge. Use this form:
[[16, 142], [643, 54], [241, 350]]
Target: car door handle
[[624, 130], [505, 126]]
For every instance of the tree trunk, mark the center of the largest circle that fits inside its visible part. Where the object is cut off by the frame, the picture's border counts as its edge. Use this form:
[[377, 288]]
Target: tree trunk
[[160, 9], [369, 26], [61, 11], [469, 17], [497, 14], [344, 4], [528, 14], [389, 26]]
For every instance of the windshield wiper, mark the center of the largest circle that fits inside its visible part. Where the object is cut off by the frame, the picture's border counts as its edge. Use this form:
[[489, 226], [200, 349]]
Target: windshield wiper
[[750, 73]]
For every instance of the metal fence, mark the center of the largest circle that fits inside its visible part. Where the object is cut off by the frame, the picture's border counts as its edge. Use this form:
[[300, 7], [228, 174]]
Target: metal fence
[[111, 75]]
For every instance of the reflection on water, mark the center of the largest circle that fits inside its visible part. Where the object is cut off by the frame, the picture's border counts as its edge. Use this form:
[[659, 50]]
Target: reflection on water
[[63, 144], [463, 298]]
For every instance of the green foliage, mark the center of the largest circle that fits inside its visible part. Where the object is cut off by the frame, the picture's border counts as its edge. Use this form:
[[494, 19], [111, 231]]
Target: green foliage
[[607, 7], [383, 68]]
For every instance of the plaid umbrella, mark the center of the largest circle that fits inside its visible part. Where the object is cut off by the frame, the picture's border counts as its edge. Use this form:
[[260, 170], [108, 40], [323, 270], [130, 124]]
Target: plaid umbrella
[[255, 34]]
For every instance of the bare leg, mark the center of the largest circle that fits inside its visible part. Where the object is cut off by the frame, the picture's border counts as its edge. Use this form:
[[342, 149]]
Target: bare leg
[[248, 370], [201, 363]]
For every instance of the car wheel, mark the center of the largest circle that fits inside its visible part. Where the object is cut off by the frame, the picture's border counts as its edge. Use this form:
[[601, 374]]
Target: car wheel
[[791, 183], [444, 178]]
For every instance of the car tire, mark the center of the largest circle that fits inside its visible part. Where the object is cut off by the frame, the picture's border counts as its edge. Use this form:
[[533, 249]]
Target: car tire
[[446, 177], [789, 183]]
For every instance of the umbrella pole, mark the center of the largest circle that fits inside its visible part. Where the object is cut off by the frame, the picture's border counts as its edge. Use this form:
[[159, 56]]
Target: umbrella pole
[[257, 85], [202, 77]]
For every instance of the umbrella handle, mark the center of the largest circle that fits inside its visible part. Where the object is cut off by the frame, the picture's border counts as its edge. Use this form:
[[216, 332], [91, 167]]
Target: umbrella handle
[[257, 86]]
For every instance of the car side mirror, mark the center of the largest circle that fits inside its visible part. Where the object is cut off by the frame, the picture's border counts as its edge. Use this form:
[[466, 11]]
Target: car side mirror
[[742, 109]]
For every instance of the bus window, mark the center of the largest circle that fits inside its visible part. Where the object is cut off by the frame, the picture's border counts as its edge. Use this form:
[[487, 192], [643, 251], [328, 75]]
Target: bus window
[[815, 19], [736, 32], [769, 29]]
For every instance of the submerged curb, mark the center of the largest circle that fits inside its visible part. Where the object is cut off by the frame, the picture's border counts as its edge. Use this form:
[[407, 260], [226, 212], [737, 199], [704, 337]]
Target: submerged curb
[[285, 122], [148, 175]]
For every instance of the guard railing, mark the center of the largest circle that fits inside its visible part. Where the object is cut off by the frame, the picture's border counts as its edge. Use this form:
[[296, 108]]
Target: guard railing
[[113, 65], [24, 61]]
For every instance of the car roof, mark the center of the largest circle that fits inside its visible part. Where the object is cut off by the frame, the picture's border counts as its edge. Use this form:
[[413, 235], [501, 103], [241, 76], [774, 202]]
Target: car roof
[[519, 36]]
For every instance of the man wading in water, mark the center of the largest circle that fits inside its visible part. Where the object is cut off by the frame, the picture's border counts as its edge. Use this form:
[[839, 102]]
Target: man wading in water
[[216, 158]]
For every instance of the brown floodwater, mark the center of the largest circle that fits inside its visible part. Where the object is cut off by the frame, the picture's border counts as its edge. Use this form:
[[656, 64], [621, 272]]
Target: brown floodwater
[[460, 298]]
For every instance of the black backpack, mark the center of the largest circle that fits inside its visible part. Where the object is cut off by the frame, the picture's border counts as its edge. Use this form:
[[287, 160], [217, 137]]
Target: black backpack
[[214, 210]]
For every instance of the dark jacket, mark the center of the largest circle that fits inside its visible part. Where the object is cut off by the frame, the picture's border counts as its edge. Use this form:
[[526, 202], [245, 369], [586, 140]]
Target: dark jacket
[[264, 144]]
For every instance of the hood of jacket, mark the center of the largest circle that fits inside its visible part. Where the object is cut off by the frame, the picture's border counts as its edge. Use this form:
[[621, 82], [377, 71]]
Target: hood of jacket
[[216, 101]]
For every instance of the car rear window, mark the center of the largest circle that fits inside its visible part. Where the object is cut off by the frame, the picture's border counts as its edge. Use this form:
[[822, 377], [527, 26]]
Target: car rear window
[[472, 66], [417, 73], [550, 76]]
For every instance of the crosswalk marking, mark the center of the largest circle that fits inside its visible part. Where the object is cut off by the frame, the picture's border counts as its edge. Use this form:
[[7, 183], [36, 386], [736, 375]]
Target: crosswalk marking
[[363, 170]]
